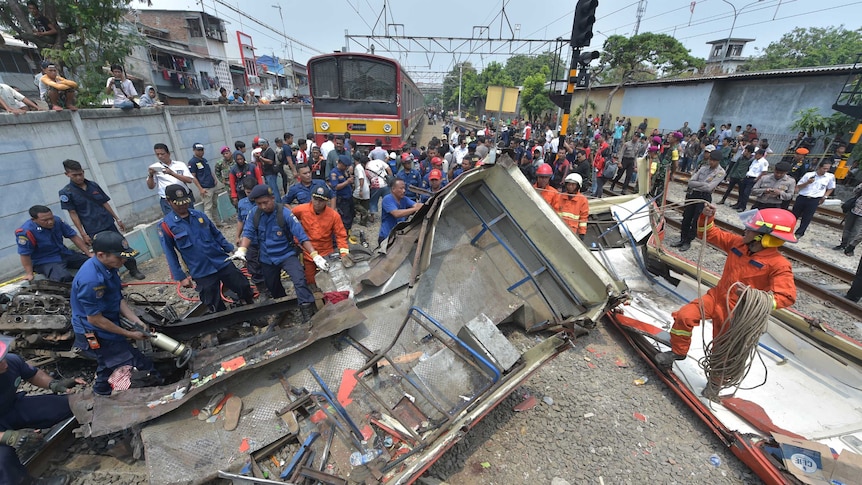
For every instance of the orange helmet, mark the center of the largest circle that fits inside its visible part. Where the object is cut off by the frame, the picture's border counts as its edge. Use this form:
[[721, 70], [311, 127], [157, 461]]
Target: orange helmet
[[544, 170], [778, 223], [436, 161]]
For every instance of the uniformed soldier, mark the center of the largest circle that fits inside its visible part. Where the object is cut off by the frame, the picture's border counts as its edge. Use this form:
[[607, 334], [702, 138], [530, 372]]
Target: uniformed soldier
[[20, 414], [97, 304], [89, 209], [40, 245], [324, 228], [203, 248], [341, 182], [274, 228]]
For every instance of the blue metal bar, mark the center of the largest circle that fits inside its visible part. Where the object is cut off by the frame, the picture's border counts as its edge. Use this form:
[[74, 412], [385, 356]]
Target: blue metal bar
[[527, 278], [648, 202], [299, 455], [333, 400], [460, 342], [529, 241], [486, 226], [511, 253]]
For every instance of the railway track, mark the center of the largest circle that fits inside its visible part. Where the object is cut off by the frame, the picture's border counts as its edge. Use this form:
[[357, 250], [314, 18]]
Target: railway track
[[825, 215], [805, 268]]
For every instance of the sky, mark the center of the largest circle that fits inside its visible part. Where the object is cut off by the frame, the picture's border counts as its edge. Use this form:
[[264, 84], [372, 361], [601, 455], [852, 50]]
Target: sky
[[319, 26]]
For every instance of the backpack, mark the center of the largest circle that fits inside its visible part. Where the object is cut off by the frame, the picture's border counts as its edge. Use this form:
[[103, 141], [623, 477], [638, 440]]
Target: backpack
[[610, 170], [279, 218]]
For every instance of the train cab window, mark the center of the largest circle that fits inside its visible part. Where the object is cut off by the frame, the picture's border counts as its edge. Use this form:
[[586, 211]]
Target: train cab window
[[324, 79], [365, 80]]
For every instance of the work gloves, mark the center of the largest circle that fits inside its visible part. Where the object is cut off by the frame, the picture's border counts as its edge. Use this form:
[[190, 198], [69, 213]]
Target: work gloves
[[19, 437], [238, 255], [319, 261], [60, 386]]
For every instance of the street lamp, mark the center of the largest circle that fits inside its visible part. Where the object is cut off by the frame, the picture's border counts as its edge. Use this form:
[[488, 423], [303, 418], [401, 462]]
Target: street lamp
[[460, 74], [732, 25]]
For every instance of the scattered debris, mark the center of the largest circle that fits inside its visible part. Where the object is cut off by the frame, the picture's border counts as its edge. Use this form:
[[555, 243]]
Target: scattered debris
[[641, 380], [548, 400], [527, 404], [640, 417], [589, 415]]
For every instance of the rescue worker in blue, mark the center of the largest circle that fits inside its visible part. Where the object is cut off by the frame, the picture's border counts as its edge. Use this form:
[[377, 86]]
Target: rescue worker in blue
[[409, 175], [341, 182], [41, 248], [97, 304], [300, 192], [21, 415], [277, 235], [243, 208], [203, 248], [89, 209]]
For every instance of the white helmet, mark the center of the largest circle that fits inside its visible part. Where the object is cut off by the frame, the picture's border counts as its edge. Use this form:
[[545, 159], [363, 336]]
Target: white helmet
[[574, 178]]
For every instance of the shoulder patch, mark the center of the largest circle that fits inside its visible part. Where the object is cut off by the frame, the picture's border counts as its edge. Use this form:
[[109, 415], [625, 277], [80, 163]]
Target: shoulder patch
[[64, 198], [22, 240], [99, 291]]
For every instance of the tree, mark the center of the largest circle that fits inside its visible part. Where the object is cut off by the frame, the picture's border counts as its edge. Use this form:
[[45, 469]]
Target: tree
[[521, 66], [654, 55], [534, 95], [808, 47], [90, 35]]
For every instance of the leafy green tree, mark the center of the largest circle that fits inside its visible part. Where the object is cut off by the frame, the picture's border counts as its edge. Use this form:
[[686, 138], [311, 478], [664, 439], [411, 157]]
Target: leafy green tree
[[647, 55], [808, 47], [534, 95], [90, 35], [521, 66]]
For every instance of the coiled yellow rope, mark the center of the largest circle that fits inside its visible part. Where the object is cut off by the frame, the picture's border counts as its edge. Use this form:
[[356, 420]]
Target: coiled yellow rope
[[728, 357]]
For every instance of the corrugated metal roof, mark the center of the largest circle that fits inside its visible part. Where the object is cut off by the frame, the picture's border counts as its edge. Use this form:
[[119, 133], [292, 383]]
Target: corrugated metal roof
[[801, 71]]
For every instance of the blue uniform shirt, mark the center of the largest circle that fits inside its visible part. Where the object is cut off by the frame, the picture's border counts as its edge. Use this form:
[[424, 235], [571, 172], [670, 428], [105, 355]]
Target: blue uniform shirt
[[200, 168], [44, 245], [243, 209], [410, 177], [302, 194], [18, 371], [89, 204], [426, 184], [96, 290], [336, 177], [201, 244], [275, 245], [388, 221]]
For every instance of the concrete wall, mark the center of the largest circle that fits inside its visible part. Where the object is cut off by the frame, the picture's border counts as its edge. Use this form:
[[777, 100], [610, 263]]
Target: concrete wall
[[115, 149], [770, 105], [671, 104]]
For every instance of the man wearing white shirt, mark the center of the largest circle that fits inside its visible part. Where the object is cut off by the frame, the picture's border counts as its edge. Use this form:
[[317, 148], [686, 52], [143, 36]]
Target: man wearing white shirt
[[461, 151], [378, 153], [168, 172], [757, 167], [328, 145], [814, 187]]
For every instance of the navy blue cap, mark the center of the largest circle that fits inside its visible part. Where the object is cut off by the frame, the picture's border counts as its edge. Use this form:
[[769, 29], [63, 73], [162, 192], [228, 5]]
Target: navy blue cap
[[261, 190]]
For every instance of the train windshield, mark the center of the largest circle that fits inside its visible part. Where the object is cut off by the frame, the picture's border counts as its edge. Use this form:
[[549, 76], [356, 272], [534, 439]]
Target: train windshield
[[324, 78], [367, 80]]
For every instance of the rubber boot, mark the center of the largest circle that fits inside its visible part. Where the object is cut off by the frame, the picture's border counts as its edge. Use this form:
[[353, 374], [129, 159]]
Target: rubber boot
[[132, 265], [307, 311], [666, 359]]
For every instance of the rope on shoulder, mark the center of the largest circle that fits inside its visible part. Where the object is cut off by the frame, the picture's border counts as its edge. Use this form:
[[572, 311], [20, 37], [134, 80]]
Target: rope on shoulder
[[727, 358]]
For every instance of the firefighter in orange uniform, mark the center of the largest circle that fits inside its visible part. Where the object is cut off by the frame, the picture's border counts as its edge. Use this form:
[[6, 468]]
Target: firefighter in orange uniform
[[574, 207], [321, 222], [752, 259], [549, 193]]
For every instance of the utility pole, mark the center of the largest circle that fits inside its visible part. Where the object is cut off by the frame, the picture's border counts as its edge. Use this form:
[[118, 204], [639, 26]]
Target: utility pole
[[640, 14], [285, 46], [460, 74]]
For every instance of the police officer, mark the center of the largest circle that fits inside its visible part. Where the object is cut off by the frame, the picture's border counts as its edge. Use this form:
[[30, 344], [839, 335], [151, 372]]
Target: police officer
[[273, 227], [341, 182], [203, 248], [243, 208], [89, 209], [200, 169], [300, 192], [40, 245], [20, 413], [409, 175], [98, 304]]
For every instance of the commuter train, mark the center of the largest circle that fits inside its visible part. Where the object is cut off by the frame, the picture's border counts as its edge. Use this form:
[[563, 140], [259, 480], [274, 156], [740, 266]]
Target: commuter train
[[369, 96]]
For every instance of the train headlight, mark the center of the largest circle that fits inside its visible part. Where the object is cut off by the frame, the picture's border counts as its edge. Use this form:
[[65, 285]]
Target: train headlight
[[324, 125], [386, 127]]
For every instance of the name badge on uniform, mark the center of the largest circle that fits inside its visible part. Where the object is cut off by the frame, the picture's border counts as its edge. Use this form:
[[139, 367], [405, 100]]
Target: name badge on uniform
[[200, 166], [279, 233]]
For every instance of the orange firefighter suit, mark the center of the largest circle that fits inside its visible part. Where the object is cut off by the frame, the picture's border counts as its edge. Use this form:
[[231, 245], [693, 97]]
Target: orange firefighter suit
[[324, 231], [551, 196], [765, 270], [575, 209]]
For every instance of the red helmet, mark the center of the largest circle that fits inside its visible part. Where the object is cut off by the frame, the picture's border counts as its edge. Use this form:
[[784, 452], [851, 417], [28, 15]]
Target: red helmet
[[436, 161], [544, 169], [779, 223], [406, 156]]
